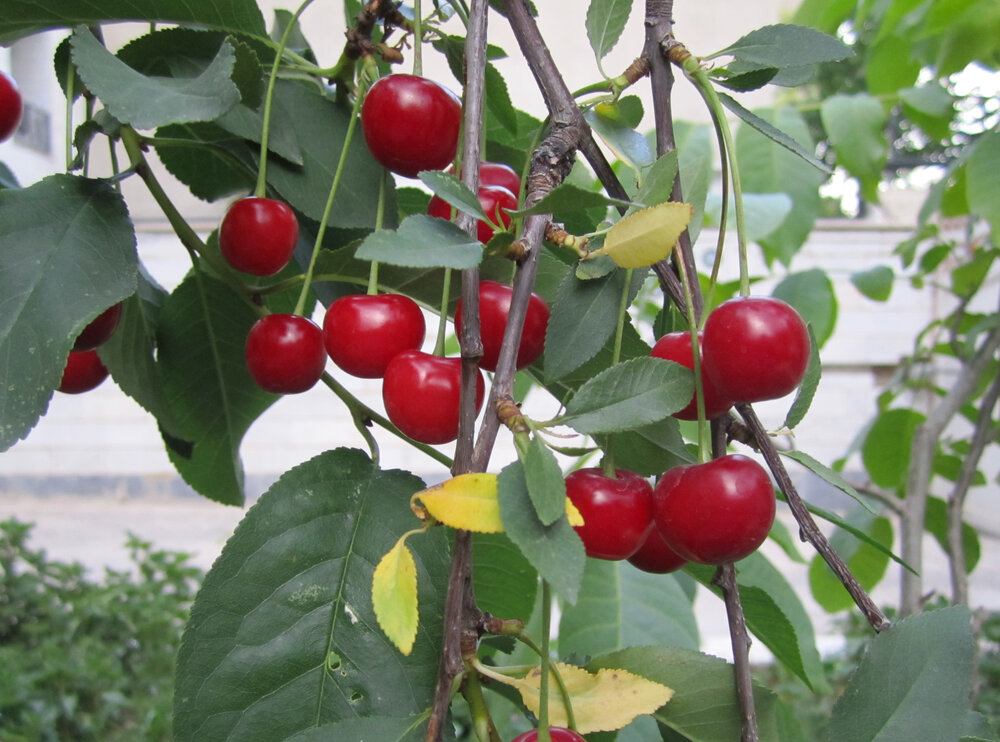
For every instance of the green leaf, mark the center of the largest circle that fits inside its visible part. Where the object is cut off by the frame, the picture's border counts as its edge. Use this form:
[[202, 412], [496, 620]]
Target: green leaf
[[627, 144], [544, 480], [629, 395], [147, 102], [24, 17], [204, 167], [807, 387], [282, 636], [584, 316], [554, 550], [68, 253], [983, 184], [828, 475], [704, 707], [649, 450], [913, 682], [791, 143], [856, 127], [498, 99], [621, 606], [769, 169], [696, 144], [130, 353], [422, 242], [826, 15], [202, 331], [381, 728], [763, 212], [606, 19], [886, 448], [811, 293], [784, 45], [866, 563], [451, 189], [504, 581], [567, 198], [936, 524], [658, 182], [742, 82], [875, 283]]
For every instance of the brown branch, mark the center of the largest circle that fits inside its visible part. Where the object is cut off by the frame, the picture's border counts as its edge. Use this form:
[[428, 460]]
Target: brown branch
[[918, 476], [725, 580], [808, 529], [981, 437]]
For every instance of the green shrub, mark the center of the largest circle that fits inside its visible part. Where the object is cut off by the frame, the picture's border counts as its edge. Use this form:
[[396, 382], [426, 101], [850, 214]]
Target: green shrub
[[85, 659]]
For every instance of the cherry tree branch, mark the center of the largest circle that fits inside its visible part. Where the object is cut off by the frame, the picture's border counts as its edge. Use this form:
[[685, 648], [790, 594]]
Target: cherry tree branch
[[725, 579], [808, 529]]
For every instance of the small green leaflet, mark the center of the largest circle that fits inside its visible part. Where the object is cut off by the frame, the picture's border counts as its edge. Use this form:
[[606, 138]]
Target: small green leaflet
[[606, 19], [422, 242], [784, 45], [875, 283], [454, 191], [808, 385]]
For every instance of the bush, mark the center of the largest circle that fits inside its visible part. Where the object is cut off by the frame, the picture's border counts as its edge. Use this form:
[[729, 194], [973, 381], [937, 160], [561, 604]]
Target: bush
[[85, 659]]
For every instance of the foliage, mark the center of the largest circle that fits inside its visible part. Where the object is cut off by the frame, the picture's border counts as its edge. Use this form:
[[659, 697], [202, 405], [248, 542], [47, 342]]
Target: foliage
[[339, 607], [86, 659]]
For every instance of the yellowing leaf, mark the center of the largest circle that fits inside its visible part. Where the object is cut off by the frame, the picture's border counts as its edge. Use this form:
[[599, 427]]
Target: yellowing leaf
[[394, 596], [469, 502], [647, 236], [601, 703]]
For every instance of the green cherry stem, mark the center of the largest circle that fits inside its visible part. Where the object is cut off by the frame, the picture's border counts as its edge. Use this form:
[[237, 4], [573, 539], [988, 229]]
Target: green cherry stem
[[337, 175], [261, 190], [696, 73], [379, 216], [418, 39], [704, 429], [543, 690], [442, 328]]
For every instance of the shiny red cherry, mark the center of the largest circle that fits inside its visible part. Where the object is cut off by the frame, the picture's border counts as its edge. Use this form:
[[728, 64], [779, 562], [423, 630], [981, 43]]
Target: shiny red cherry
[[411, 124], [617, 511], [717, 512], [494, 307], [84, 371], [285, 353], [421, 395], [258, 235], [557, 734], [364, 332], [496, 202], [676, 346], [755, 348], [11, 106]]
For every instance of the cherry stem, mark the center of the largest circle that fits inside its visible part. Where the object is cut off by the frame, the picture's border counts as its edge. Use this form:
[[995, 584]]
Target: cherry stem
[[321, 231], [704, 429], [543, 690], [442, 328], [261, 190], [418, 39], [694, 71], [482, 722], [379, 216]]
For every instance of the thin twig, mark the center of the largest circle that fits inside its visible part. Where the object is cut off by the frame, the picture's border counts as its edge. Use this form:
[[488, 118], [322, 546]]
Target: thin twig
[[808, 529], [725, 580]]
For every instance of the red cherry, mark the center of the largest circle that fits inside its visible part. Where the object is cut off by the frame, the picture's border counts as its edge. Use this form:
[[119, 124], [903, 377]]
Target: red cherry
[[83, 372], [716, 512], [499, 174], [617, 511], [676, 346], [656, 556], [755, 348], [496, 202], [11, 106], [363, 333], [285, 354], [558, 734], [258, 235], [411, 124], [494, 306], [100, 329], [421, 395]]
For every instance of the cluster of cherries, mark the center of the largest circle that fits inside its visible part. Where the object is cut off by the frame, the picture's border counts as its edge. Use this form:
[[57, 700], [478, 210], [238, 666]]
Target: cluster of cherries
[[752, 349], [410, 124], [84, 370]]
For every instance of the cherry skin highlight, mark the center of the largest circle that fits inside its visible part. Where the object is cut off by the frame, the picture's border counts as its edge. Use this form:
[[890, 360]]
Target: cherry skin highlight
[[411, 124], [84, 371], [363, 333], [285, 353], [676, 346], [756, 348], [716, 512], [258, 235], [617, 511], [421, 393], [494, 307]]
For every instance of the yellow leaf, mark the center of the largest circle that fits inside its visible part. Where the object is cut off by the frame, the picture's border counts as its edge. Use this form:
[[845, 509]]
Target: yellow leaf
[[601, 703], [647, 236], [469, 502], [394, 596]]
